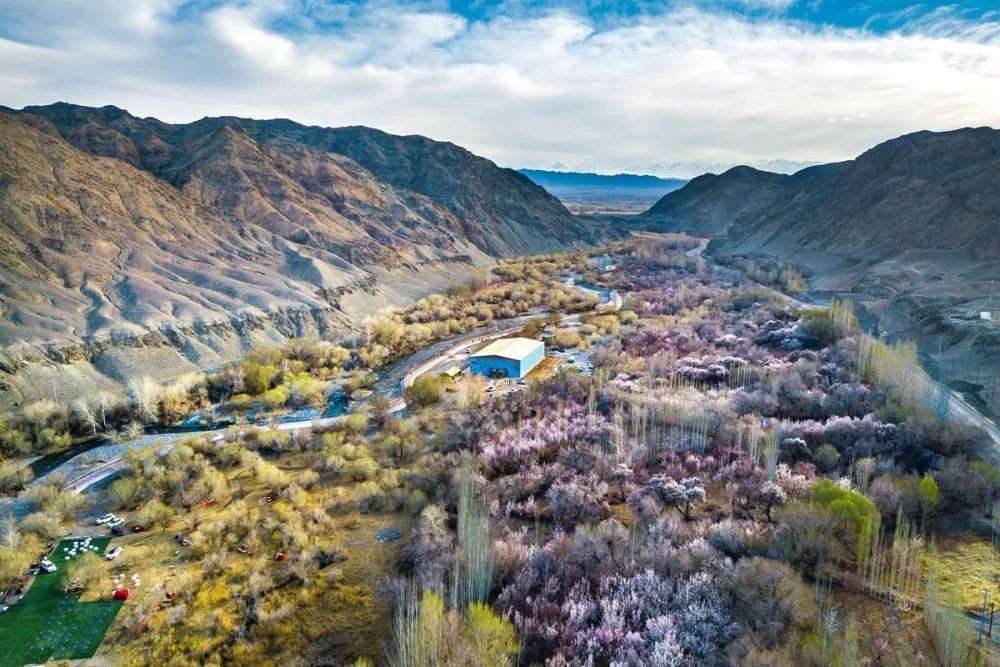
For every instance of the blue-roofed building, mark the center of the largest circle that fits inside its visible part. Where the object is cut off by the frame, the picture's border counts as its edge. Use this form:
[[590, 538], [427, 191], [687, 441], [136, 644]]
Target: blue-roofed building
[[508, 358]]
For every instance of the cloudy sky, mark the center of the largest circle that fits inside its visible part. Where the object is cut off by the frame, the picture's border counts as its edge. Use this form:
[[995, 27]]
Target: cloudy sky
[[614, 86]]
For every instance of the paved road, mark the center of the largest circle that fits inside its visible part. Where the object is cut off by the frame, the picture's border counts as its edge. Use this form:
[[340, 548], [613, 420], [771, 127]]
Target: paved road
[[393, 380]]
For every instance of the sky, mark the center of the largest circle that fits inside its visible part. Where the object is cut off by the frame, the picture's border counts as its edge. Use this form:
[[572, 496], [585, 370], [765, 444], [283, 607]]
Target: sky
[[658, 87]]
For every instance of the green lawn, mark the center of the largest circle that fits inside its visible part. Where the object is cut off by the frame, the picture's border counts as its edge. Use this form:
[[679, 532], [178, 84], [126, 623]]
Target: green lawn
[[49, 625]]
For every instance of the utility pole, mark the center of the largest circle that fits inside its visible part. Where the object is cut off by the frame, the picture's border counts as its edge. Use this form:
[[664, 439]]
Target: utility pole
[[982, 626]]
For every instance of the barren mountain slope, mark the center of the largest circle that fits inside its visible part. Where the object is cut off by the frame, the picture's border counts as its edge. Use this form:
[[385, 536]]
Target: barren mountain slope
[[94, 246], [929, 191], [708, 204], [498, 210], [121, 235]]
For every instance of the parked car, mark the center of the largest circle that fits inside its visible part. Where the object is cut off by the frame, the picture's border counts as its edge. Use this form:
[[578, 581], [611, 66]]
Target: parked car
[[117, 531], [105, 518], [113, 554], [138, 528], [522, 382], [114, 523], [47, 565]]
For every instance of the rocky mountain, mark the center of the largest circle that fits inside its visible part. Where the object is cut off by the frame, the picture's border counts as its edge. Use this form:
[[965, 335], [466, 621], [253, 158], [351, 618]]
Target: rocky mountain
[[218, 235], [928, 190], [710, 203]]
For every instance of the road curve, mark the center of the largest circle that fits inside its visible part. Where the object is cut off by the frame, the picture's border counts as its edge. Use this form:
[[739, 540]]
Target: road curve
[[91, 477]]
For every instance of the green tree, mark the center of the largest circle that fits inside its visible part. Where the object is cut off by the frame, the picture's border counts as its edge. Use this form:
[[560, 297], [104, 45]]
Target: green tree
[[154, 513], [274, 398], [257, 378], [491, 636], [425, 391], [859, 512], [927, 495]]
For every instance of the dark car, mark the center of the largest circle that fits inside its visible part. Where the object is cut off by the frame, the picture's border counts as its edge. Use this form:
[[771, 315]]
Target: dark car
[[117, 531]]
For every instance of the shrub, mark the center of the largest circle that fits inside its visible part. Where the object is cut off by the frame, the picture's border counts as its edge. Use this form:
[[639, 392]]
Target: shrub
[[124, 492], [826, 457], [770, 601], [811, 538], [274, 398], [257, 378], [425, 391], [360, 469], [578, 500], [83, 573], [45, 525], [355, 423], [13, 477]]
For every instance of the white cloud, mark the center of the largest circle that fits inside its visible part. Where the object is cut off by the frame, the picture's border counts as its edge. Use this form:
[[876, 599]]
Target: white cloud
[[688, 85]]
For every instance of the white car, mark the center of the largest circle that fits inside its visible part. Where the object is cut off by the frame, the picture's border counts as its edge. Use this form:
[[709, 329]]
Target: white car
[[113, 554], [105, 519], [114, 523], [47, 565]]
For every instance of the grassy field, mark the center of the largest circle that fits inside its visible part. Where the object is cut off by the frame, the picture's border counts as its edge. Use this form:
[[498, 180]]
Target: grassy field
[[969, 564], [50, 625]]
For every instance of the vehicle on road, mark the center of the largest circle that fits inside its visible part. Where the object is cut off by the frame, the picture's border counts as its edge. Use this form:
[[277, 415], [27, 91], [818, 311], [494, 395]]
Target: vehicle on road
[[113, 554]]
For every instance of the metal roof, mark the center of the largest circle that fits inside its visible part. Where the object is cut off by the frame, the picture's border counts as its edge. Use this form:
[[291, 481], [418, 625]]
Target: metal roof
[[510, 348]]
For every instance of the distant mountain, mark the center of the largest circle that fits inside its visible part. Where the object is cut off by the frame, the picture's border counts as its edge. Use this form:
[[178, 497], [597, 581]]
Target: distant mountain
[[588, 192], [574, 179], [223, 233], [691, 169]]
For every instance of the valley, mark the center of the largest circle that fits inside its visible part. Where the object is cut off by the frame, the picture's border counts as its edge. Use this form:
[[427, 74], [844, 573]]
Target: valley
[[268, 386], [499, 334], [769, 411]]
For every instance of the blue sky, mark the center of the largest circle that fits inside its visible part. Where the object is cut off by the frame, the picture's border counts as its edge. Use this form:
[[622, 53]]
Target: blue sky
[[660, 87]]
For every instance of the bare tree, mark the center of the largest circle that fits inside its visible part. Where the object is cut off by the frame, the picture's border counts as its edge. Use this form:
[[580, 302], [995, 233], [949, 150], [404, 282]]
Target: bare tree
[[144, 393], [86, 415], [105, 401]]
